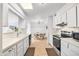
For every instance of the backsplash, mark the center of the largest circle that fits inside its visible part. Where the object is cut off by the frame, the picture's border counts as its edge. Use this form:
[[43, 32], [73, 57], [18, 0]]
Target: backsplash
[[71, 29], [6, 30], [58, 31]]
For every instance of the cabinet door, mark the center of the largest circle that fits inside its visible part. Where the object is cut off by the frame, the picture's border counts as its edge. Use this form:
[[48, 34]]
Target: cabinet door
[[20, 48], [59, 19], [25, 45], [74, 49], [27, 41], [63, 17], [10, 52], [64, 48], [68, 49], [71, 17]]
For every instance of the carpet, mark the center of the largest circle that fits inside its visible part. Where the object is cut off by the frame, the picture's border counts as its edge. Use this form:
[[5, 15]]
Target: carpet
[[30, 51], [51, 52]]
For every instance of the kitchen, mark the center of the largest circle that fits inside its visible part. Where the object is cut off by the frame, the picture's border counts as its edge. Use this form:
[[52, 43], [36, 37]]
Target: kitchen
[[43, 27]]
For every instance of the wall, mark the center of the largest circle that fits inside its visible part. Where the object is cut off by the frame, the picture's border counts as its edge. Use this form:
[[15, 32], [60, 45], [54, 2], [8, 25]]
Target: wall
[[28, 28], [5, 15], [70, 29], [35, 27], [0, 28]]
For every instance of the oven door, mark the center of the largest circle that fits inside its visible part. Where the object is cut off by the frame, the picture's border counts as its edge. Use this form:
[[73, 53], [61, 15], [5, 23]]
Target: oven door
[[57, 42]]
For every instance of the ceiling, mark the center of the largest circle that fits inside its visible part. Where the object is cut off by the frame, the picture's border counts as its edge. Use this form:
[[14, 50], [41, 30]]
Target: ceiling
[[43, 10]]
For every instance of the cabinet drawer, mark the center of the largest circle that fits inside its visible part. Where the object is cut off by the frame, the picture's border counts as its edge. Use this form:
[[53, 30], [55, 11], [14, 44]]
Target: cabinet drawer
[[63, 54], [10, 52], [20, 48], [74, 49], [20, 44], [68, 52], [25, 45]]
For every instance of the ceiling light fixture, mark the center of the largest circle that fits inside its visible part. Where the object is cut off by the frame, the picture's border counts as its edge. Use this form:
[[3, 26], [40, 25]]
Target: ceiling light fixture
[[27, 5], [42, 3]]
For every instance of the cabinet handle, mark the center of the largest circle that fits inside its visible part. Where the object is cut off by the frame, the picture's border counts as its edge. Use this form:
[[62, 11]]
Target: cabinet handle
[[9, 50]]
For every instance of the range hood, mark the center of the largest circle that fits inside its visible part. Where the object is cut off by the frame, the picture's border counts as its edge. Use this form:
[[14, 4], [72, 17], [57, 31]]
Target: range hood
[[62, 24]]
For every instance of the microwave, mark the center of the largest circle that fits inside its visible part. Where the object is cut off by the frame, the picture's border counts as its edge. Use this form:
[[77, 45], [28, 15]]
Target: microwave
[[75, 35]]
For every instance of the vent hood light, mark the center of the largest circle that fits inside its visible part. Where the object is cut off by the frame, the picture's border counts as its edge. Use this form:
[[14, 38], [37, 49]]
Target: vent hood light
[[27, 5]]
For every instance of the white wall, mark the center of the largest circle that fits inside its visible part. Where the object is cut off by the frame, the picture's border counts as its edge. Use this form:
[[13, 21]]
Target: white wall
[[35, 27], [0, 28], [28, 28], [5, 15]]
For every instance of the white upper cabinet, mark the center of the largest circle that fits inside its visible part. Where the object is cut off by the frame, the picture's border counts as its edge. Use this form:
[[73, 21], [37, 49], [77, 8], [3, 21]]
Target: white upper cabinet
[[64, 18], [5, 15], [71, 17], [59, 19], [78, 15]]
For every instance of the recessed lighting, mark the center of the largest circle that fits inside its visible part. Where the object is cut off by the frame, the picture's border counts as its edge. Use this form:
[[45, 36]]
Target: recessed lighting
[[27, 5], [42, 3]]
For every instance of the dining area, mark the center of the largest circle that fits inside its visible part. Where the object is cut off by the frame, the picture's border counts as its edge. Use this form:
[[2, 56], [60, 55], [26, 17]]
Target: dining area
[[40, 36]]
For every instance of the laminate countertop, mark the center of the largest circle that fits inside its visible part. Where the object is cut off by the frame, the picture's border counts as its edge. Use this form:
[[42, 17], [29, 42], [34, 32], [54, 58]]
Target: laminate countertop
[[72, 41], [11, 39]]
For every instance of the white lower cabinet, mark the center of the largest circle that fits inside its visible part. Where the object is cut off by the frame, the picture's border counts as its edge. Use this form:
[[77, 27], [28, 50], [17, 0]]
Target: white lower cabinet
[[10, 52], [20, 48], [68, 49], [75, 49], [50, 40], [26, 44]]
